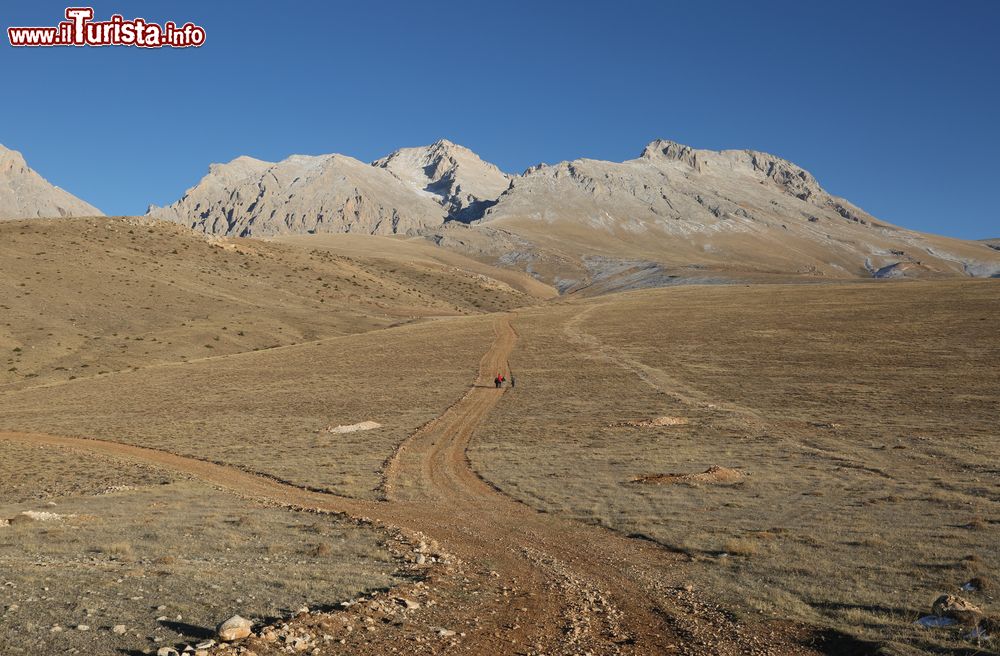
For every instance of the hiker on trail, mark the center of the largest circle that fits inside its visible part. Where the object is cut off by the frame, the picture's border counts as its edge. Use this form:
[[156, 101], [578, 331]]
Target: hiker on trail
[[512, 380], [498, 381]]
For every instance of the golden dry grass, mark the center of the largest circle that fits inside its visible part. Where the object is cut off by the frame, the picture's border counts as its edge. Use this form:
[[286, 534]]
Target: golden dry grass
[[166, 558], [861, 419], [262, 410], [83, 297], [865, 415]]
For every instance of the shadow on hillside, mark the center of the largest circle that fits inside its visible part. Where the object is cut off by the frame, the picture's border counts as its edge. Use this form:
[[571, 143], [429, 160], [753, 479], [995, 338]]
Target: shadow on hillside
[[835, 643]]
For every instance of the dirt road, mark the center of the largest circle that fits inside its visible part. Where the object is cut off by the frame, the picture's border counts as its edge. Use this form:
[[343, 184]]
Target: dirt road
[[516, 581]]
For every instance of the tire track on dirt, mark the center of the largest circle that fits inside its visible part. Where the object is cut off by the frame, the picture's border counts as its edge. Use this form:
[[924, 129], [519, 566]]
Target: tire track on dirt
[[566, 588]]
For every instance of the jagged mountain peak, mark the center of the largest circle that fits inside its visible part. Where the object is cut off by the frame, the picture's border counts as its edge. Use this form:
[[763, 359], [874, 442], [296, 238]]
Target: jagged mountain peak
[[461, 182]]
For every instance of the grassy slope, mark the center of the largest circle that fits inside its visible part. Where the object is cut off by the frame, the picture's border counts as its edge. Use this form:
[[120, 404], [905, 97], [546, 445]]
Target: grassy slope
[[84, 296]]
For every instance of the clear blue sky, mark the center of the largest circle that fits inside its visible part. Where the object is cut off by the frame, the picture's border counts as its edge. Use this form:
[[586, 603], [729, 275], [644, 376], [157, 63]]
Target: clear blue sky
[[892, 104]]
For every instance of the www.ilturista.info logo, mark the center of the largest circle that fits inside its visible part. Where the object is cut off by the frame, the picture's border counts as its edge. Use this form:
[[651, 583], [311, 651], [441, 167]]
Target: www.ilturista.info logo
[[80, 29]]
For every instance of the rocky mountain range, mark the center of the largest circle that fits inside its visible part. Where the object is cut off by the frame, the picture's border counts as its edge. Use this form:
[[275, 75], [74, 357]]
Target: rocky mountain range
[[679, 214], [673, 214], [24, 194]]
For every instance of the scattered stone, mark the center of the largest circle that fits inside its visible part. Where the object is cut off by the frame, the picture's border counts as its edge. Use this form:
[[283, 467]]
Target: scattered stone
[[207, 644], [167, 651], [35, 516], [82, 627], [977, 584], [235, 628], [409, 603]]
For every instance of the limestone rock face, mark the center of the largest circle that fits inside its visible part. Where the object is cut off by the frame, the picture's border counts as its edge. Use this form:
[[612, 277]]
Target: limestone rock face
[[453, 175], [670, 182], [24, 194], [302, 194]]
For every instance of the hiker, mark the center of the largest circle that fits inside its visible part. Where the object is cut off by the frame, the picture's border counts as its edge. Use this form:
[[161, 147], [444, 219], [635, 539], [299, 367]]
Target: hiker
[[497, 381], [512, 380]]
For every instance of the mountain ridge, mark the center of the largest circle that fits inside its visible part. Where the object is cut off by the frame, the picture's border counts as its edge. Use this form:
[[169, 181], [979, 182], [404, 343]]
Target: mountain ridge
[[670, 214], [25, 194]]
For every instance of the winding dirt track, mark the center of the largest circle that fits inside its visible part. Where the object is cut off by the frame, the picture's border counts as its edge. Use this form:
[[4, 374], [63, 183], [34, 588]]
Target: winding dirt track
[[531, 583]]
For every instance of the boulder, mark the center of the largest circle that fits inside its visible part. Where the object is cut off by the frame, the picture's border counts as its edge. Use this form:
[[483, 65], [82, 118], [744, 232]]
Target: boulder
[[235, 628], [958, 609]]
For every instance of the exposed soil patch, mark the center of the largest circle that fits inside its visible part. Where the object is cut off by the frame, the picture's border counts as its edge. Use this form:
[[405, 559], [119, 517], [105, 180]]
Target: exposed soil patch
[[352, 428], [714, 475], [651, 423]]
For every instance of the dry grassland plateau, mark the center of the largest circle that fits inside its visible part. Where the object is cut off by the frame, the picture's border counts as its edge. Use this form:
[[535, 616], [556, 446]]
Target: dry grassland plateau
[[833, 458], [768, 469]]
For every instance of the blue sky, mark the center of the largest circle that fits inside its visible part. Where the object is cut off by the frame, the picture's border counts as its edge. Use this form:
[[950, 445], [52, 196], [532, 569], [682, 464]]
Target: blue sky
[[892, 104]]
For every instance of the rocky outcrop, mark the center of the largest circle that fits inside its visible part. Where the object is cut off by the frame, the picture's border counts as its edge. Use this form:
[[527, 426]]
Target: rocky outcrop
[[958, 609], [24, 194]]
